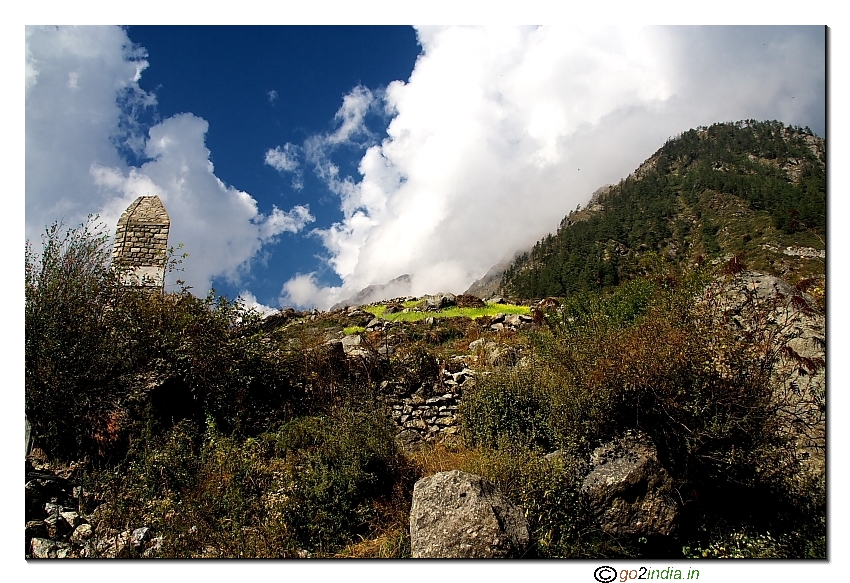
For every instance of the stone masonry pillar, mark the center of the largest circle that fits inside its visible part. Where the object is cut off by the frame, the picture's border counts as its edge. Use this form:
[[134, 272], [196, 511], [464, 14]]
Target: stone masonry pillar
[[141, 241]]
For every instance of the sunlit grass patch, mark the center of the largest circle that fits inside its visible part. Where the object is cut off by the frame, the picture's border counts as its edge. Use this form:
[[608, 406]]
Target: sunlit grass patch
[[353, 330], [453, 312]]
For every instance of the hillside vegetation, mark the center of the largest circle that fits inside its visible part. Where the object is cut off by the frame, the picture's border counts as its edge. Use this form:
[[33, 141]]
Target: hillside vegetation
[[747, 188], [223, 434]]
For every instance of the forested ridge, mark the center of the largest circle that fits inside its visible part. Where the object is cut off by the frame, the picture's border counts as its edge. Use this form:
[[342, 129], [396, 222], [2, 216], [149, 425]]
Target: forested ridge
[[730, 188]]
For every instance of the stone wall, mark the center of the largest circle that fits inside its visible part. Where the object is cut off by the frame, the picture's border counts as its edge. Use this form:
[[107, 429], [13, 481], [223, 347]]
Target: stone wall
[[141, 243], [431, 410]]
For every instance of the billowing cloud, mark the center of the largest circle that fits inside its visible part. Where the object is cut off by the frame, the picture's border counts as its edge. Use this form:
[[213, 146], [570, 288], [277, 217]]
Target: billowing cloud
[[77, 80], [219, 225], [303, 291], [82, 105], [250, 301], [500, 132]]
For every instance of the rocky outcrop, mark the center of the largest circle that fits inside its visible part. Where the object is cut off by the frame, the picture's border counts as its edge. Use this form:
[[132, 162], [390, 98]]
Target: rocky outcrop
[[440, 301], [628, 490], [787, 322], [460, 515]]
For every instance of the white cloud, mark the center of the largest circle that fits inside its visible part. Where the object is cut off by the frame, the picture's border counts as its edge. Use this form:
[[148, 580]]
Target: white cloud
[[351, 131], [272, 96], [220, 226], [250, 301], [77, 80], [302, 291], [352, 115], [499, 132], [74, 168], [285, 159]]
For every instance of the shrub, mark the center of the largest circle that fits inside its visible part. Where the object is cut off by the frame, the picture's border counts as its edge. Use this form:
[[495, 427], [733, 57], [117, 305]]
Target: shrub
[[101, 358], [317, 484], [513, 405], [658, 356], [72, 358], [336, 468]]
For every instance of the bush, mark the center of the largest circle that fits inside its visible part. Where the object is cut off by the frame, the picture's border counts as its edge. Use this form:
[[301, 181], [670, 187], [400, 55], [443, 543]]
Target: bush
[[72, 356], [514, 405], [656, 357], [336, 468], [103, 360], [316, 485]]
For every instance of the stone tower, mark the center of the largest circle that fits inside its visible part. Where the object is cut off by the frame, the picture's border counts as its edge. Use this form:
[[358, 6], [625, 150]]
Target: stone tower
[[141, 241]]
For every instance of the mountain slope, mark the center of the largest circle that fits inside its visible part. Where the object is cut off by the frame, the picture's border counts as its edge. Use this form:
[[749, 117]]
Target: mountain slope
[[751, 188]]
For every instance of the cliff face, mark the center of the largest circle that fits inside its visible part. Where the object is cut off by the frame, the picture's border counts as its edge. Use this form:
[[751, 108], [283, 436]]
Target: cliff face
[[750, 189]]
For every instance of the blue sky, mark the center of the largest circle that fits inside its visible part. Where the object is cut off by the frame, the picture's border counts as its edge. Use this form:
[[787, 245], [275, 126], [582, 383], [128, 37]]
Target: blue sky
[[301, 164], [261, 87]]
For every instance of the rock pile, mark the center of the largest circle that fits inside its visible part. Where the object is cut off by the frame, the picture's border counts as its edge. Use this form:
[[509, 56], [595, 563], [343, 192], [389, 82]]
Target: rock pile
[[510, 322], [56, 527]]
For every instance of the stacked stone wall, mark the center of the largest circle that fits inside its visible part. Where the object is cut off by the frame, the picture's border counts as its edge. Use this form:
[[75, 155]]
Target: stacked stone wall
[[431, 410]]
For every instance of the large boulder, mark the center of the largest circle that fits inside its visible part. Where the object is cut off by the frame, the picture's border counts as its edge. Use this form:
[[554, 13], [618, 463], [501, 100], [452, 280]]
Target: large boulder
[[440, 301], [460, 515], [628, 490]]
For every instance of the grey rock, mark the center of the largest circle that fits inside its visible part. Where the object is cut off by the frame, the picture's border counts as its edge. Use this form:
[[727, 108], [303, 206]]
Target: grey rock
[[56, 526], [82, 533], [498, 318], [139, 536], [51, 508], [42, 548], [440, 301], [416, 424], [502, 356], [460, 515], [352, 342], [628, 490], [116, 547], [34, 529], [513, 320], [410, 440], [72, 518], [153, 548], [479, 344]]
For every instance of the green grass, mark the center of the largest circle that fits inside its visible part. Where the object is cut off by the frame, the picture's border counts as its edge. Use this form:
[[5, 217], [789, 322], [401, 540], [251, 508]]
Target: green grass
[[353, 330], [453, 312]]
